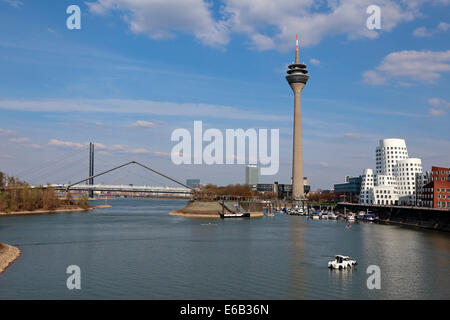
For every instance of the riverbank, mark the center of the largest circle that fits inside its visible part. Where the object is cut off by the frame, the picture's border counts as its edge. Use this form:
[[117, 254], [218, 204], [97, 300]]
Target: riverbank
[[205, 209], [60, 210], [8, 254]]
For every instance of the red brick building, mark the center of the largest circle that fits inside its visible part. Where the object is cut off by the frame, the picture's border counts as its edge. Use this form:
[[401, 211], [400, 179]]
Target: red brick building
[[436, 194]]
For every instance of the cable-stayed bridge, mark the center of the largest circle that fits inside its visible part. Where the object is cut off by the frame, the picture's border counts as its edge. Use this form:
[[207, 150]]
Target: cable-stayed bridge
[[151, 190], [102, 189]]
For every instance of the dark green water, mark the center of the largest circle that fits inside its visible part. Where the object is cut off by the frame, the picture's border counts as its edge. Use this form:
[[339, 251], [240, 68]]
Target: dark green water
[[135, 250]]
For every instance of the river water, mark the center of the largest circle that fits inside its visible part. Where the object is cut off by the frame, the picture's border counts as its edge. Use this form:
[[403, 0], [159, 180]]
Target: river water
[[135, 250]]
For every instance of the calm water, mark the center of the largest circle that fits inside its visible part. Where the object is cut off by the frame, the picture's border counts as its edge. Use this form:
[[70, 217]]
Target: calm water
[[135, 250]]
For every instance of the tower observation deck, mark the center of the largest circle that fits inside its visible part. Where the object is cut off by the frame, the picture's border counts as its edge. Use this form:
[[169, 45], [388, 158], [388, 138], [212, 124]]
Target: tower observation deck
[[297, 78]]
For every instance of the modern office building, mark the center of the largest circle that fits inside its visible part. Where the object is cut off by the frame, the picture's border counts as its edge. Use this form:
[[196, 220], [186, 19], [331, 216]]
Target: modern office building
[[193, 183], [251, 175], [297, 78], [351, 188], [394, 182]]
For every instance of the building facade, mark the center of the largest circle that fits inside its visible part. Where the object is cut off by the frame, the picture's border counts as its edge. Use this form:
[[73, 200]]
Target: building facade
[[422, 179], [351, 188], [395, 178], [436, 193], [251, 175], [282, 191]]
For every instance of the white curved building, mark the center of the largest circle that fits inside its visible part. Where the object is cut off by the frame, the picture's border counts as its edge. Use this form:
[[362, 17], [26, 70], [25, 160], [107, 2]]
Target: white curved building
[[406, 171], [394, 181], [388, 153], [367, 184]]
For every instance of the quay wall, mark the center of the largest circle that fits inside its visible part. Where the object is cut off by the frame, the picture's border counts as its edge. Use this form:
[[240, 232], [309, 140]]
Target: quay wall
[[419, 217]]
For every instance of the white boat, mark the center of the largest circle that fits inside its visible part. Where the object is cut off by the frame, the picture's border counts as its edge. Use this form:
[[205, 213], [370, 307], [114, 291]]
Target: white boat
[[342, 262], [235, 215], [332, 216], [315, 216], [360, 215], [350, 216]]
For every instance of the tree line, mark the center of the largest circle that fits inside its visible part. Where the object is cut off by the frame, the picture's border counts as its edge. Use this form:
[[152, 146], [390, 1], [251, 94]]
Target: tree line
[[211, 192], [16, 195]]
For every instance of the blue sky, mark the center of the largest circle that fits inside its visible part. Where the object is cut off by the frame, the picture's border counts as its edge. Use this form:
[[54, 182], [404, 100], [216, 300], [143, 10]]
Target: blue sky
[[139, 69]]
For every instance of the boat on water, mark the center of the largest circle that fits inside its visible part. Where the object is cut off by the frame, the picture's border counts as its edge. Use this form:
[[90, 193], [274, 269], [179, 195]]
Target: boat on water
[[350, 216], [332, 216], [235, 215], [360, 215], [370, 217], [342, 262]]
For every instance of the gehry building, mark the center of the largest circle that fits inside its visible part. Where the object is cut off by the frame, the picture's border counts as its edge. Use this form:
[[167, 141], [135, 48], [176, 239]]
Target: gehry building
[[395, 179]]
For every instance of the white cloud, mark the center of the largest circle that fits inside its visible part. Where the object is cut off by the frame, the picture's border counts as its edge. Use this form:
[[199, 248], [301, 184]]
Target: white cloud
[[437, 102], [315, 62], [352, 135], [67, 144], [410, 66], [443, 26], [312, 20], [124, 106], [20, 140], [374, 78], [268, 24], [161, 19], [421, 32], [436, 112], [118, 147], [143, 124], [139, 151], [13, 3], [103, 149], [424, 32], [4, 132], [324, 164]]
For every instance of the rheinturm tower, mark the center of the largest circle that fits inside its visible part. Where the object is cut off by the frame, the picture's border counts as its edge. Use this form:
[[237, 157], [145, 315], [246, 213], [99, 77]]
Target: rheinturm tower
[[297, 78]]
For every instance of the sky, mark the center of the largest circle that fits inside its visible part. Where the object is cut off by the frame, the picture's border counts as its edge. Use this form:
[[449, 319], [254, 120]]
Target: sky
[[139, 69]]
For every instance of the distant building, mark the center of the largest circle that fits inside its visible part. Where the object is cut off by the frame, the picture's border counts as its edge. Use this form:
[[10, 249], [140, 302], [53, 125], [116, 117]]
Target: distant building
[[193, 183], [440, 174], [422, 179], [283, 191], [395, 180], [251, 175], [351, 187], [436, 193]]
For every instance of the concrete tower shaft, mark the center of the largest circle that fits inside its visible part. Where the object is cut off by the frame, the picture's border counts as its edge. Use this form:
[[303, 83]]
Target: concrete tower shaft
[[297, 157], [297, 78]]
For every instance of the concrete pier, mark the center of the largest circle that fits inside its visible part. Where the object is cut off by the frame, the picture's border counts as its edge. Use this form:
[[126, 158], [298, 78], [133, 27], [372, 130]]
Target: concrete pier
[[419, 217]]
